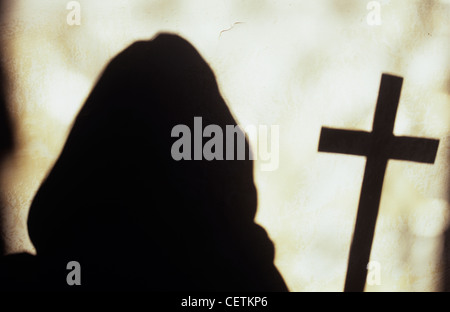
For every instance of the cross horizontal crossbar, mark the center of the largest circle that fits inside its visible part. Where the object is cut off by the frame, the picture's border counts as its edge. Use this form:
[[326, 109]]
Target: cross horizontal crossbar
[[361, 143]]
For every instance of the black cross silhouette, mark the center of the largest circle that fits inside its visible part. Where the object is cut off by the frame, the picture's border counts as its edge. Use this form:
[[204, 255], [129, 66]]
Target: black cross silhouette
[[378, 146]]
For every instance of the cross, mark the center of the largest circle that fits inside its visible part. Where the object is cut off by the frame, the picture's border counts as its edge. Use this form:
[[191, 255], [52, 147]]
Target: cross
[[378, 146]]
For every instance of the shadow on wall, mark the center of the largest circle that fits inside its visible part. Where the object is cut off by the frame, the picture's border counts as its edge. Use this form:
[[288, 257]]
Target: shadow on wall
[[6, 135], [134, 218]]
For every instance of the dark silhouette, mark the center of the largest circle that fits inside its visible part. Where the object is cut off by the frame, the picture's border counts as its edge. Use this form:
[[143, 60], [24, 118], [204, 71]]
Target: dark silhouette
[[19, 264], [134, 218], [378, 146]]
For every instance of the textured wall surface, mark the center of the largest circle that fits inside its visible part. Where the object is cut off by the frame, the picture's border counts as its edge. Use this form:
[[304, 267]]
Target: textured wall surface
[[297, 64]]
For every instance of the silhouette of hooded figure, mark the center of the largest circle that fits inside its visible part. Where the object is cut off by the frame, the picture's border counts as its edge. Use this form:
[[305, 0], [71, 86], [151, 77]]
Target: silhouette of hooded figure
[[133, 217]]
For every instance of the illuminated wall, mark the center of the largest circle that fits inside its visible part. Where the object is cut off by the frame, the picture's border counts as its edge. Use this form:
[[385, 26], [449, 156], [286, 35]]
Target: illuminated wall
[[297, 64]]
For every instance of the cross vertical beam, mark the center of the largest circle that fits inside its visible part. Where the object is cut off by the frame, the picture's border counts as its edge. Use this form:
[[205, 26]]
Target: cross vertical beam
[[378, 146]]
